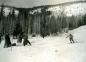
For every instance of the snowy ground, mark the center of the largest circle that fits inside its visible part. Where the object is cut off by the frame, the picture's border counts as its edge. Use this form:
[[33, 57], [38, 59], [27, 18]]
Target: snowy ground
[[49, 49]]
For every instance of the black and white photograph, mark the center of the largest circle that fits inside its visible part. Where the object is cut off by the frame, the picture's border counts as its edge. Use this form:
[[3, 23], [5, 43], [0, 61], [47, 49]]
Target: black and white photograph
[[42, 30]]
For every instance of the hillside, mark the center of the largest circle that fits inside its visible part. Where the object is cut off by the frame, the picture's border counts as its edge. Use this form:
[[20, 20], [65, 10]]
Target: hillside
[[32, 3], [49, 49], [68, 8]]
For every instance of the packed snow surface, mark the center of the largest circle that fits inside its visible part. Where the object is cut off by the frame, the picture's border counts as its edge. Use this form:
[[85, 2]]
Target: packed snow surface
[[48, 49]]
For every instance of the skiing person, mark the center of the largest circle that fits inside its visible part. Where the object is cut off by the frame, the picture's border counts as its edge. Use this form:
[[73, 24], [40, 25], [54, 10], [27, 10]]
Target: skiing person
[[71, 38]]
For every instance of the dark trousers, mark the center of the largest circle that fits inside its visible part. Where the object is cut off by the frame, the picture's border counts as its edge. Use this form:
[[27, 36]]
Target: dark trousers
[[71, 40]]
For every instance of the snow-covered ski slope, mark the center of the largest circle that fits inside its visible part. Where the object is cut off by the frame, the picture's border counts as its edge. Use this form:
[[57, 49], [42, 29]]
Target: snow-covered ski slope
[[49, 49]]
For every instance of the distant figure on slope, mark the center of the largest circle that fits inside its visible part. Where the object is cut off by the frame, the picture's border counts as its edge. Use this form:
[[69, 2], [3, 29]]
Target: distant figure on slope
[[71, 38], [19, 38], [7, 41], [43, 35], [43, 32], [15, 34], [26, 41]]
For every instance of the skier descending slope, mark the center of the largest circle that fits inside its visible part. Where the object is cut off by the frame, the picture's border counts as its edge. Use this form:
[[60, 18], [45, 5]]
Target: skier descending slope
[[71, 38]]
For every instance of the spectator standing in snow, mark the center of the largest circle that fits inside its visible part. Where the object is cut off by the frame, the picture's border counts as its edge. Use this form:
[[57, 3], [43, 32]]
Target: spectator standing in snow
[[19, 38], [7, 41], [71, 38]]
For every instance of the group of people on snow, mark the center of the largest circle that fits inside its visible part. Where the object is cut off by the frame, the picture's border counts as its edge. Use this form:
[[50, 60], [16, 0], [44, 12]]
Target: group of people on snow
[[25, 41], [19, 40]]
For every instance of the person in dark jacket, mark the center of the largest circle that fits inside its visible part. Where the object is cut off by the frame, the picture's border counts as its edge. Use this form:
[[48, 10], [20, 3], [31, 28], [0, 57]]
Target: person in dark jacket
[[7, 41], [19, 38], [71, 38], [26, 41]]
